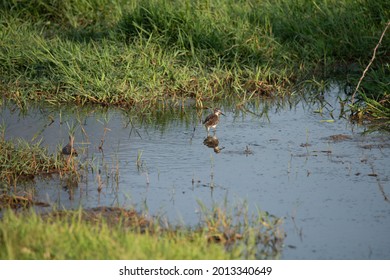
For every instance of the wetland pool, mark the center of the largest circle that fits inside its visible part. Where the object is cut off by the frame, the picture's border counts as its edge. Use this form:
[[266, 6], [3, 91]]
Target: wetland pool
[[327, 178]]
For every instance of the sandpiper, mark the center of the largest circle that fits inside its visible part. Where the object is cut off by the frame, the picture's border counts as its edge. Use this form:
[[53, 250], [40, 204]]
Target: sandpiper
[[68, 149], [212, 120]]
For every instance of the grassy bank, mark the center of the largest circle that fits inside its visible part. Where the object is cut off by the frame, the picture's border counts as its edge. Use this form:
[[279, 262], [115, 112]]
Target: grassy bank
[[113, 233], [140, 53]]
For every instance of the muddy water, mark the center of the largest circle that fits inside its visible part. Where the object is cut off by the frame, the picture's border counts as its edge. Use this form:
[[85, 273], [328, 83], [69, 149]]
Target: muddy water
[[327, 178]]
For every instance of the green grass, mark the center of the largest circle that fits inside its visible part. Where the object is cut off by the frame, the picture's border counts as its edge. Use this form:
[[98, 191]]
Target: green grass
[[143, 53], [32, 238], [71, 235], [20, 160]]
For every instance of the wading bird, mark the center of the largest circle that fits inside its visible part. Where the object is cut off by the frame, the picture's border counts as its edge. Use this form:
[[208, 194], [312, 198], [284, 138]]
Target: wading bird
[[212, 120]]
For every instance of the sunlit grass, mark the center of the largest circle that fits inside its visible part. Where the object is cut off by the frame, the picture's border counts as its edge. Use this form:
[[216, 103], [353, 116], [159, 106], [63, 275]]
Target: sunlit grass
[[142, 53]]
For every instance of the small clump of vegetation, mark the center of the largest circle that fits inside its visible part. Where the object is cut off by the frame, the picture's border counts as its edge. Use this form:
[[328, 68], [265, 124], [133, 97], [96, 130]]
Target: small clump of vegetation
[[230, 228], [116, 233], [21, 161]]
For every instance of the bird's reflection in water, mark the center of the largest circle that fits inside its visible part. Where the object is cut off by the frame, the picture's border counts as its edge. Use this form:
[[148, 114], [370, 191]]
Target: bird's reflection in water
[[213, 142]]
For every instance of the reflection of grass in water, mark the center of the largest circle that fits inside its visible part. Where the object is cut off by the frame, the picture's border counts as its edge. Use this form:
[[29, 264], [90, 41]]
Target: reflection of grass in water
[[139, 162], [141, 166], [115, 233]]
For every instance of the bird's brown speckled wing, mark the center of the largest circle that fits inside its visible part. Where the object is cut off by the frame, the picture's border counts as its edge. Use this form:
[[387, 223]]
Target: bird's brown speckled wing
[[208, 119]]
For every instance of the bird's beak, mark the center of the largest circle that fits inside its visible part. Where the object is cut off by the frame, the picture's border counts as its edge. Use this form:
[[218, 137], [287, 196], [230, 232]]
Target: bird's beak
[[223, 114]]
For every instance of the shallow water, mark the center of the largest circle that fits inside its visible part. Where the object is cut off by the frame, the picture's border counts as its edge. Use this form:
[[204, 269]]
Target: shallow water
[[331, 192]]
